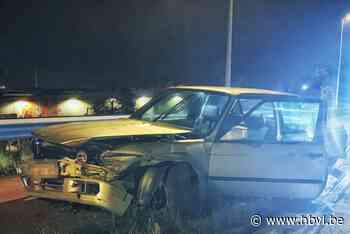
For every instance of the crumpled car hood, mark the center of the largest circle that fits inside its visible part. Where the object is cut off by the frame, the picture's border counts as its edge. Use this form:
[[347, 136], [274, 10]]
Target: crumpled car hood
[[81, 131]]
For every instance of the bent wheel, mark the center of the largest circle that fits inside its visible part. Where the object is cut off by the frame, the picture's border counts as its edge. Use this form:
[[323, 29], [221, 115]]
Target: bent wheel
[[181, 190]]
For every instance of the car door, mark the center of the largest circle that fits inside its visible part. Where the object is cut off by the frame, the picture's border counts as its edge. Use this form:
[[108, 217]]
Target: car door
[[273, 148]]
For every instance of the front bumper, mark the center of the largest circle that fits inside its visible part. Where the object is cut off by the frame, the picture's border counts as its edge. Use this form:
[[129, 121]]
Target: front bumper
[[95, 192]]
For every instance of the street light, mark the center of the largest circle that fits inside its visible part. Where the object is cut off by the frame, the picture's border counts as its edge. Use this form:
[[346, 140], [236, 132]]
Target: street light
[[229, 46], [345, 20]]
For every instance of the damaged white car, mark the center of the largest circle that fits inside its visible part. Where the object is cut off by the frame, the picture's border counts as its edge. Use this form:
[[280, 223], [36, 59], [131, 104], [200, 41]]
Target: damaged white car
[[184, 146]]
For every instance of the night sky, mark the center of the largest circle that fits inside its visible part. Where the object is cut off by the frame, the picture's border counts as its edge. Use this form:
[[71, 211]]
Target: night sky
[[110, 43]]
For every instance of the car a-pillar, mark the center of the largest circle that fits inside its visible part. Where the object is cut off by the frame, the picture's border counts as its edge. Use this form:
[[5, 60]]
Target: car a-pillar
[[173, 186]]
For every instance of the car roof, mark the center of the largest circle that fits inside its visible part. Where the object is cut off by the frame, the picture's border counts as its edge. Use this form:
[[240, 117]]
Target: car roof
[[237, 90]]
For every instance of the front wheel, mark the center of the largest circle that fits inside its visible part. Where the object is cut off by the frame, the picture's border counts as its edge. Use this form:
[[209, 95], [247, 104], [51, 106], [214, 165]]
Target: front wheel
[[179, 193]]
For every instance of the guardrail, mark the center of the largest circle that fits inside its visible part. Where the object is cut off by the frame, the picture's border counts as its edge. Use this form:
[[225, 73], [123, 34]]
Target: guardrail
[[22, 128]]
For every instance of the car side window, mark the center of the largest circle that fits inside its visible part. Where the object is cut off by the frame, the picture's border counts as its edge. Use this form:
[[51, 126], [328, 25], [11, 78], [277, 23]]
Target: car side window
[[298, 121], [258, 123]]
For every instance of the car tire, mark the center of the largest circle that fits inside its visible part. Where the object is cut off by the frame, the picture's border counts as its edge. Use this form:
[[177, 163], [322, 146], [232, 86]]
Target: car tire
[[181, 191]]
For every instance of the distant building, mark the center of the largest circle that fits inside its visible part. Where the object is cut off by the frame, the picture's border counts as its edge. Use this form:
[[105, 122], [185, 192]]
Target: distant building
[[43, 103], [54, 103]]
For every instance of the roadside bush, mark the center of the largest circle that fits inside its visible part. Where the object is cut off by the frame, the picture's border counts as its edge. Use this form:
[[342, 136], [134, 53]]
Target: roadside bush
[[7, 166], [13, 153]]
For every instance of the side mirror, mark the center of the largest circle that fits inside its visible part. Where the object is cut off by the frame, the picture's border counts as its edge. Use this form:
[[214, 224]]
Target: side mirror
[[236, 133], [210, 112], [228, 123]]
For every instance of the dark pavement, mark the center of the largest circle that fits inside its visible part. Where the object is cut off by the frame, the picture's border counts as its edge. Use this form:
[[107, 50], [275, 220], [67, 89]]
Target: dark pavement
[[11, 188]]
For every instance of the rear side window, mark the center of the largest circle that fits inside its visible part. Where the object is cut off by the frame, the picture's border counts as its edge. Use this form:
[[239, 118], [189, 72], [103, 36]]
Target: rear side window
[[256, 120], [298, 121]]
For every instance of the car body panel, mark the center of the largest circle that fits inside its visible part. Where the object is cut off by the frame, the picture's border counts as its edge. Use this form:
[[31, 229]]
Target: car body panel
[[112, 197], [68, 133], [268, 170], [235, 90]]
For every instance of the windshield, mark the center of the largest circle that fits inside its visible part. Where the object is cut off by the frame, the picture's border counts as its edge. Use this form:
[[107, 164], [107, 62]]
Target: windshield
[[196, 110]]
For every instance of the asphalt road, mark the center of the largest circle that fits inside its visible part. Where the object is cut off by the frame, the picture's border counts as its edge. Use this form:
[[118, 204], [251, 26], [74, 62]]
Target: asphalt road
[[11, 188], [20, 214], [37, 216]]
